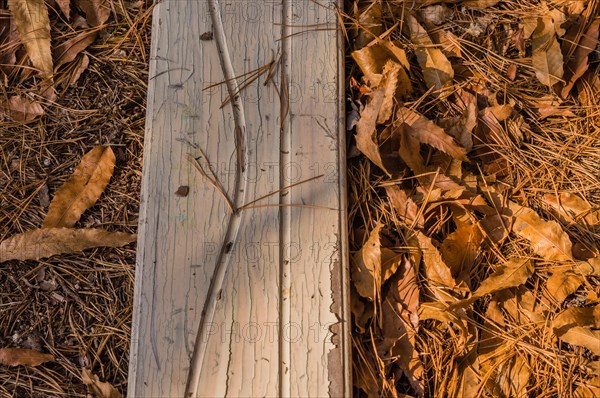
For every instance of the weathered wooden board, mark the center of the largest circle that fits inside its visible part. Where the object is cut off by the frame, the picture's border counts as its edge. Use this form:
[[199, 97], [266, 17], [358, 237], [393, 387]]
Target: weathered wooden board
[[249, 302]]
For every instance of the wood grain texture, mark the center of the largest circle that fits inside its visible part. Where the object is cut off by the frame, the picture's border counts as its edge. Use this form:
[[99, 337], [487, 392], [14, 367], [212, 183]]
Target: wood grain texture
[[277, 321]]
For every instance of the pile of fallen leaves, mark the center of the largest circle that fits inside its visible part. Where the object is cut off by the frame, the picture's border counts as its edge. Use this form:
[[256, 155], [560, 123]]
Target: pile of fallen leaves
[[72, 105], [474, 186], [41, 50]]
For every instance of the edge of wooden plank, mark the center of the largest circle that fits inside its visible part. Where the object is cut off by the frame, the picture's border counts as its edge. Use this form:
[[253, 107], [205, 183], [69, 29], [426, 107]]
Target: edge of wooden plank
[[341, 287]]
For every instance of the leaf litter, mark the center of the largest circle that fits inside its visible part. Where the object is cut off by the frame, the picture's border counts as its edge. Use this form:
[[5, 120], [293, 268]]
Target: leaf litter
[[481, 174], [75, 305]]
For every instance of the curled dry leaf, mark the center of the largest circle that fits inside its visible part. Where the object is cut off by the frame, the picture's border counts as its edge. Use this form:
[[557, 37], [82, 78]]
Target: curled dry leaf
[[513, 273], [96, 11], [373, 265], [438, 273], [9, 42], [427, 132], [65, 7], [575, 326], [564, 282], [83, 189], [21, 109], [437, 70], [81, 67], [68, 50], [547, 238], [48, 242], [406, 208], [496, 227], [372, 60], [31, 18], [400, 322], [440, 312], [391, 73], [365, 129], [547, 57], [23, 356], [572, 208], [98, 388], [369, 24], [460, 249], [436, 14], [577, 64], [480, 4]]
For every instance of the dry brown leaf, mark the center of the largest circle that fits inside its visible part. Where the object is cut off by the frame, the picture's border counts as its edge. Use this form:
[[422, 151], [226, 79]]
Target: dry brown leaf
[[437, 70], [23, 356], [400, 321], [369, 24], [81, 67], [496, 227], [31, 18], [549, 106], [461, 127], [98, 388], [460, 249], [83, 189], [365, 129], [96, 11], [9, 42], [480, 4], [373, 265], [572, 208], [21, 109], [391, 72], [564, 282], [577, 64], [47, 242], [513, 273], [406, 208], [438, 273], [65, 7], [547, 238], [440, 312], [574, 326], [427, 132], [372, 60], [436, 14], [66, 51], [547, 58], [520, 305]]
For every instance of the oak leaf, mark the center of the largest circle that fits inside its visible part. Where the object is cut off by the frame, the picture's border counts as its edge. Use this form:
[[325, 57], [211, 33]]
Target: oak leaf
[[83, 189], [47, 242]]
